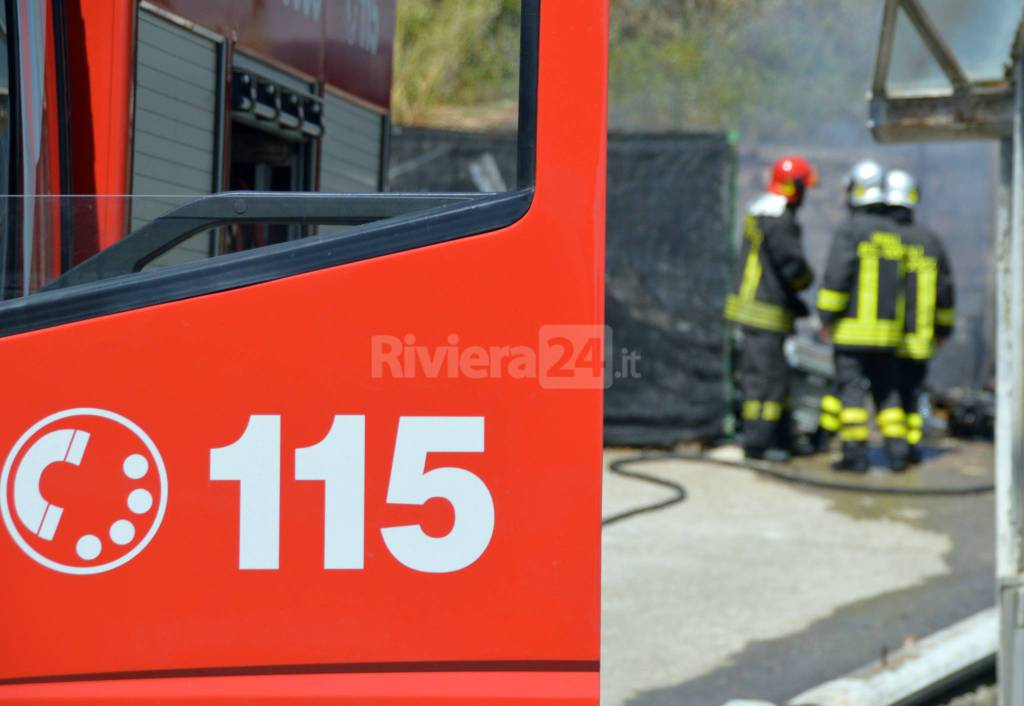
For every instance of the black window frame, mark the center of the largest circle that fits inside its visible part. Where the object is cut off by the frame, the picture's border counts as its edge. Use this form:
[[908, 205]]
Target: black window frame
[[402, 222]]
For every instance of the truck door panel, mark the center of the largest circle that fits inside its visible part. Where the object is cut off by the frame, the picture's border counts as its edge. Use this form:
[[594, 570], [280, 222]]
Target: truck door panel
[[415, 332]]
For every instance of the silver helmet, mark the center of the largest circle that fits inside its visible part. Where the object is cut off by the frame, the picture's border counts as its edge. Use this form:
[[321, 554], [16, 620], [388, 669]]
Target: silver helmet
[[864, 184], [901, 189]]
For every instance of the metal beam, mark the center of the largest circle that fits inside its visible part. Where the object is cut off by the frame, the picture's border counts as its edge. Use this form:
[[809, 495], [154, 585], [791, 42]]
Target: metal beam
[[1010, 406], [976, 116], [936, 45], [885, 38]]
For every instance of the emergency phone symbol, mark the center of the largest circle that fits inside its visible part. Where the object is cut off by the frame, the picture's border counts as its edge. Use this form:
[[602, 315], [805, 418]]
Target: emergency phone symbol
[[88, 490]]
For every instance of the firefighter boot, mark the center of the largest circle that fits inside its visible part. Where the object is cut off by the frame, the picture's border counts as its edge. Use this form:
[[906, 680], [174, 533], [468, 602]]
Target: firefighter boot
[[822, 440], [899, 454], [893, 423], [753, 453], [855, 458], [914, 455]]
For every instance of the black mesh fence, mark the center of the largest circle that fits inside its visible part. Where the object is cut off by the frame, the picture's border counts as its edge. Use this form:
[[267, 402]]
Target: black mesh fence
[[669, 264], [440, 160], [668, 269]]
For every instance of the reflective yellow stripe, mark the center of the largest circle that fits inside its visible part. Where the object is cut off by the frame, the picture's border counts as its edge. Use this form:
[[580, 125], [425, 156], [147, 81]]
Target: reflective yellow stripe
[[915, 421], [832, 404], [927, 290], [884, 333], [914, 436], [743, 307], [853, 415], [831, 300], [867, 284], [752, 269], [923, 272], [751, 410], [758, 314], [894, 431], [892, 415], [945, 317], [857, 433], [916, 347], [829, 422], [892, 422], [866, 329], [771, 411], [922, 279]]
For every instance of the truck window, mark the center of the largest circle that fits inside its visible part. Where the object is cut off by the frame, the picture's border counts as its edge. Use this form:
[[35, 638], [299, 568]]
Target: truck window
[[5, 104], [231, 144]]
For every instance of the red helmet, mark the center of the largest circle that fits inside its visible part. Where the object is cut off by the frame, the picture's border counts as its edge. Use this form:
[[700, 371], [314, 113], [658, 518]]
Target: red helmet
[[790, 176]]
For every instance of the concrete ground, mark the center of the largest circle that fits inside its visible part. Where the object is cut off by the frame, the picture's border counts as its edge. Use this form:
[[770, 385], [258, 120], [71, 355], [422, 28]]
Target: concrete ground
[[754, 588]]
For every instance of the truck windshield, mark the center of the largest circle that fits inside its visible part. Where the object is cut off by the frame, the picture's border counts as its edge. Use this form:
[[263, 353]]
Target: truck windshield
[[123, 164]]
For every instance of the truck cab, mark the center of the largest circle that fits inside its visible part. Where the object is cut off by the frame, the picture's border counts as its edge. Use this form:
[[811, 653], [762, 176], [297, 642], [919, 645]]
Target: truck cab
[[275, 434]]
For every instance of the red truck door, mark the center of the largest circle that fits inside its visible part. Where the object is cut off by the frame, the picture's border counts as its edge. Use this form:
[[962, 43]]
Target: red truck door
[[353, 468]]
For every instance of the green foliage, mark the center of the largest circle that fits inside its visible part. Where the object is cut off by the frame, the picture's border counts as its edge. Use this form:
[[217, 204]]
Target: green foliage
[[672, 63], [774, 69], [777, 69], [454, 56]]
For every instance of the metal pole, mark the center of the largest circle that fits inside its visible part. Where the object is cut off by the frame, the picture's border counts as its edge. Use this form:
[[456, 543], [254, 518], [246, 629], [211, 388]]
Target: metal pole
[[1010, 405]]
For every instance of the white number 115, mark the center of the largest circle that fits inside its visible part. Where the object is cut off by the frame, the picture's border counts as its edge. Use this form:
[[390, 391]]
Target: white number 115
[[338, 461]]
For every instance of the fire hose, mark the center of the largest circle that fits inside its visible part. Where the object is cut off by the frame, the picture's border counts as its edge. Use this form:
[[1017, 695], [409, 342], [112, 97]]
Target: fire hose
[[619, 467]]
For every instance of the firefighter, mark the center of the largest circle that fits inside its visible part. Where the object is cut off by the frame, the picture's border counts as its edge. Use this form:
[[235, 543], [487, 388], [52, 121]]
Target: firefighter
[[765, 303], [930, 312], [862, 184], [860, 304]]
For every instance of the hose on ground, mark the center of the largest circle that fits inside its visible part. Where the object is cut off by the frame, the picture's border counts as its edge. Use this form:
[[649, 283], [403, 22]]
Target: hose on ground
[[619, 467]]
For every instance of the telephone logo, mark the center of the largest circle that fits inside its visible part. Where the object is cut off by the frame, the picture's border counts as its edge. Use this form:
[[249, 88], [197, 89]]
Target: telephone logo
[[83, 491]]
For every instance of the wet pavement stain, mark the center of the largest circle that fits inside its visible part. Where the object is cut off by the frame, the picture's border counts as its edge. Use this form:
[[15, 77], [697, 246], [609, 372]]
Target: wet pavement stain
[[947, 465], [862, 631]]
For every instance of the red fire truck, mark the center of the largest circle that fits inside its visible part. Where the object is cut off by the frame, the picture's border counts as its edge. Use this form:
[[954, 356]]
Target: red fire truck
[[179, 98], [271, 433]]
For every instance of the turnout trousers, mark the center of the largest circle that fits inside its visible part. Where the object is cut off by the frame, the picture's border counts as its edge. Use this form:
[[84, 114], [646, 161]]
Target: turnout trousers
[[764, 378], [858, 374], [912, 374]]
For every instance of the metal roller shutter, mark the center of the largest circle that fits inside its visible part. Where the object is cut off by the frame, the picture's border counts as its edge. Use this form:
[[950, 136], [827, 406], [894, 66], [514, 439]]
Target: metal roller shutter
[[350, 156], [176, 112]]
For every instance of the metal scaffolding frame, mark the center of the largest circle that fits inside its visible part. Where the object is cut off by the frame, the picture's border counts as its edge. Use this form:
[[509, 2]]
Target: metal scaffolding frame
[[989, 110], [967, 110]]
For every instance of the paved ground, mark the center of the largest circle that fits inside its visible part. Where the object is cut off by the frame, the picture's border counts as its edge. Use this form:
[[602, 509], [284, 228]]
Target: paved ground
[[984, 696], [753, 588]]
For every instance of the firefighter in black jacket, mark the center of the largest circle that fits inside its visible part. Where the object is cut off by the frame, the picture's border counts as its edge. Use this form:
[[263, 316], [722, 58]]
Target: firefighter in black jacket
[[930, 313], [861, 305], [864, 185], [765, 302]]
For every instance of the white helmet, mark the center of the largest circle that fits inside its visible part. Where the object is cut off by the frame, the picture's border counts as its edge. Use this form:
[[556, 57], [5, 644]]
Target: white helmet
[[900, 189], [864, 184]]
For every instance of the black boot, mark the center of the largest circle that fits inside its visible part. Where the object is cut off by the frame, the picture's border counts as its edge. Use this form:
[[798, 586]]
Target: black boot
[[753, 453], [855, 458], [914, 456], [822, 440], [899, 454]]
